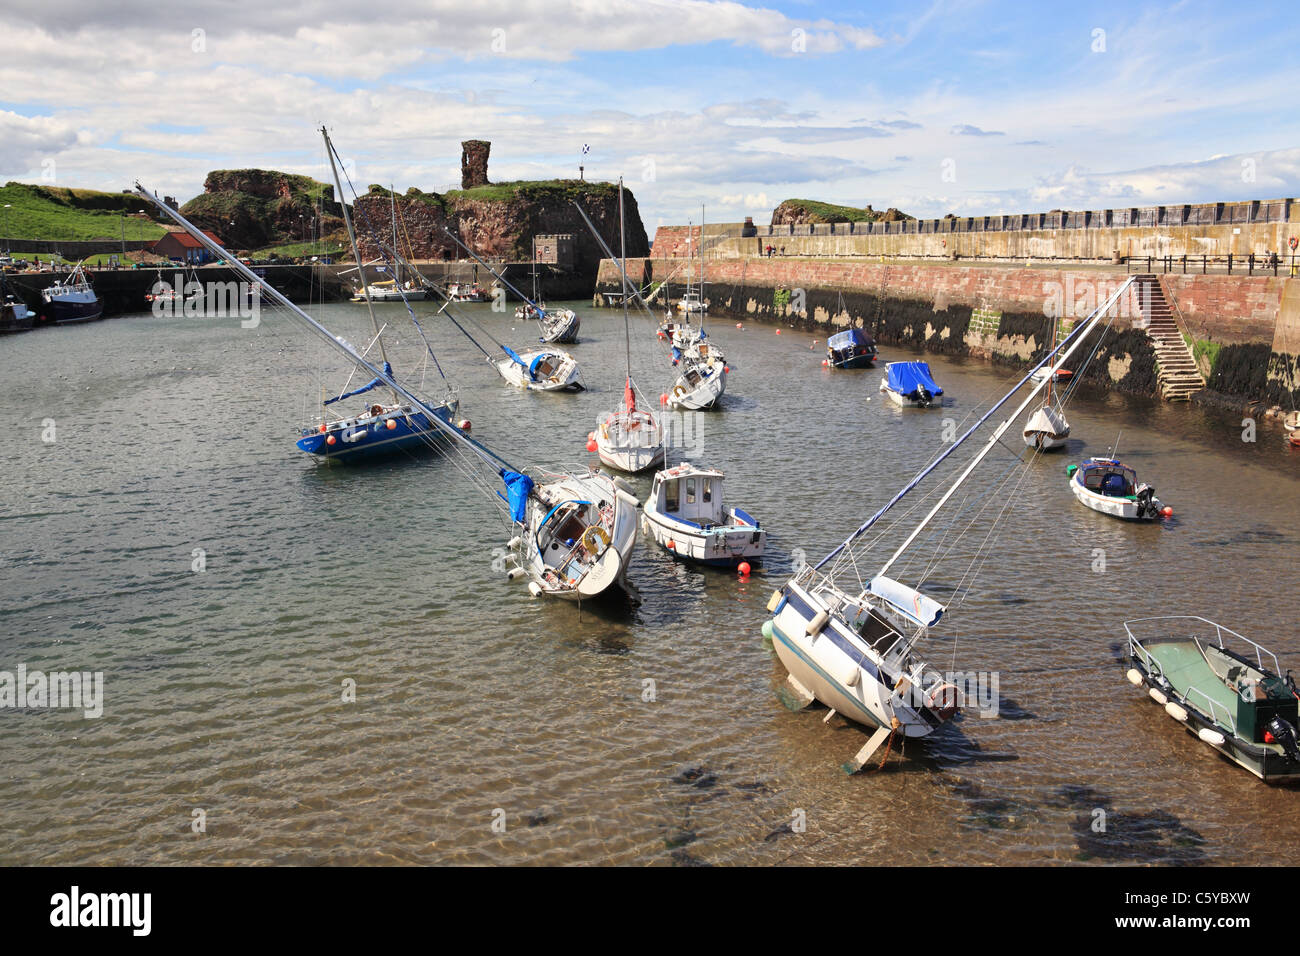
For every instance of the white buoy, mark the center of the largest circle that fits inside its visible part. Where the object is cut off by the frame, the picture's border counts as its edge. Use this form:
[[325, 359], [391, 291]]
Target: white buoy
[[816, 624], [1210, 736], [624, 485], [1134, 677], [514, 542], [1158, 697], [1176, 712], [534, 589], [514, 574]]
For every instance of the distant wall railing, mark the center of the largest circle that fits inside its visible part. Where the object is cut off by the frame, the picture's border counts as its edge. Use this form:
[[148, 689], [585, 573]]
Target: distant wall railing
[[1200, 214]]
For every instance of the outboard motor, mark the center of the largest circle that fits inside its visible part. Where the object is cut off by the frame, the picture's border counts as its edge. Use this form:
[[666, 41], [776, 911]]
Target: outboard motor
[[1144, 495], [1278, 731], [924, 397]]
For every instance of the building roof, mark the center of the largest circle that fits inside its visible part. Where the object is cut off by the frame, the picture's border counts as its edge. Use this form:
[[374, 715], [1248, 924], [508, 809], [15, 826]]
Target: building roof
[[187, 241]]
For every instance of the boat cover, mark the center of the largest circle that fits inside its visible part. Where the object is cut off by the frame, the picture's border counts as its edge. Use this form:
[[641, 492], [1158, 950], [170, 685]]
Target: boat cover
[[848, 339], [912, 604], [514, 355], [388, 370], [518, 488], [532, 369], [907, 377]]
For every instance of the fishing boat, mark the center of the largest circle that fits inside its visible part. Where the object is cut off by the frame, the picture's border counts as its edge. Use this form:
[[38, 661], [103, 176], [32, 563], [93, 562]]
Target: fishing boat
[[14, 314], [1111, 487], [691, 304], [1222, 687], [630, 439], [911, 384], [687, 517], [850, 636], [541, 370], [852, 348], [381, 428], [576, 531], [71, 300]]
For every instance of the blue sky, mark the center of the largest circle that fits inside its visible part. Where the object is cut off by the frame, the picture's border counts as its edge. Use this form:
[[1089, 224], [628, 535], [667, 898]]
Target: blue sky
[[966, 107]]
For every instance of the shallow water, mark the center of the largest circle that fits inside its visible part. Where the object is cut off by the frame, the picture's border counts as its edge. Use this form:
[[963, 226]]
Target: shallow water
[[224, 687]]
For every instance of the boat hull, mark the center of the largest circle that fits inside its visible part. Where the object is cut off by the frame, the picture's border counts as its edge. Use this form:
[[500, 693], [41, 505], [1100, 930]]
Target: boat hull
[[606, 574], [374, 439], [1123, 508], [702, 395], [854, 362], [906, 401], [62, 312], [719, 549]]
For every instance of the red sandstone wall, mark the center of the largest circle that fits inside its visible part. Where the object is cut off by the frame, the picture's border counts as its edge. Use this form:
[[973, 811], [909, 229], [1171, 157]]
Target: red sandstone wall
[[1231, 310], [672, 241]]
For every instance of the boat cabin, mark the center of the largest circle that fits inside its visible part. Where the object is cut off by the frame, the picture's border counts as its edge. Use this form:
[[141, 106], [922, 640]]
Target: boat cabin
[[692, 495], [1110, 478]]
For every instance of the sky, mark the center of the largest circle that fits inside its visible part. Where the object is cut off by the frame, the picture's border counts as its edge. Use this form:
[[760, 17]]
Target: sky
[[972, 108]]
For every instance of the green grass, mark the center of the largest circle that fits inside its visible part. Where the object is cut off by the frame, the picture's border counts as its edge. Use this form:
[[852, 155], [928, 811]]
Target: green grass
[[829, 212], [293, 250], [533, 189], [1207, 351], [46, 212]]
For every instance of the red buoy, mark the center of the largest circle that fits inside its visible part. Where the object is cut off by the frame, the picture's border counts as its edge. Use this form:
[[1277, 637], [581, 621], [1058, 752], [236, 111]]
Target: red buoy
[[778, 331], [330, 441], [323, 428], [463, 424], [1167, 511], [391, 424], [740, 325], [663, 399], [591, 444], [727, 369], [743, 568], [670, 544]]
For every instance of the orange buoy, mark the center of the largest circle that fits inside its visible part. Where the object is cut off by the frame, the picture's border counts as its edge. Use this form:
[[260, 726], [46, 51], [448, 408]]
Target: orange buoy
[[727, 369], [323, 427], [1167, 511], [743, 568], [670, 544], [331, 440], [778, 331], [826, 363], [391, 424], [591, 444], [663, 399]]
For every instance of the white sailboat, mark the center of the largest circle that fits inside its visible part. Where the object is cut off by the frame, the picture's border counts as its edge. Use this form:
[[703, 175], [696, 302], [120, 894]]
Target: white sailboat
[[1047, 428], [559, 326], [851, 638], [702, 378]]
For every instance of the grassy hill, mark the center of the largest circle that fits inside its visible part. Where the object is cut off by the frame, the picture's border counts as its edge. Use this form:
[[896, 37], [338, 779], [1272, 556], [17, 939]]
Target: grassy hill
[[534, 190], [48, 212], [810, 210]]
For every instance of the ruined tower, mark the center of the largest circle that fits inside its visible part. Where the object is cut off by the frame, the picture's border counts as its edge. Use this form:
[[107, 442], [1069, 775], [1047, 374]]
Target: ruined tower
[[473, 163]]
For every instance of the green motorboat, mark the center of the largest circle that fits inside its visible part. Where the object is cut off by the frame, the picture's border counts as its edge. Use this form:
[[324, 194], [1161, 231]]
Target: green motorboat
[[1219, 686]]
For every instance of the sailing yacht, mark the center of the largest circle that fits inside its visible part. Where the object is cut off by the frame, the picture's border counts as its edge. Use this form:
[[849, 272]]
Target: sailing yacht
[[702, 379], [851, 637], [558, 326], [1047, 428]]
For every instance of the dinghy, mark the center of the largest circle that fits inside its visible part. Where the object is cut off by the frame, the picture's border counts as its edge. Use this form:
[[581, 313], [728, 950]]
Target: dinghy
[[630, 439], [851, 637], [852, 348], [1108, 486], [1221, 688], [910, 384], [686, 516]]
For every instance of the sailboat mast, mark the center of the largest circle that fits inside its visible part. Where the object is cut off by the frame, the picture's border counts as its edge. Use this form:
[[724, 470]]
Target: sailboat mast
[[701, 290], [352, 238], [392, 210], [999, 431], [622, 256]]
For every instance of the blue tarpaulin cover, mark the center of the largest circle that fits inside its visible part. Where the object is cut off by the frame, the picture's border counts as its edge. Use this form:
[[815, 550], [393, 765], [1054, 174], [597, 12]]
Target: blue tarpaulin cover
[[388, 370], [906, 377], [847, 339], [532, 369], [518, 487], [511, 352]]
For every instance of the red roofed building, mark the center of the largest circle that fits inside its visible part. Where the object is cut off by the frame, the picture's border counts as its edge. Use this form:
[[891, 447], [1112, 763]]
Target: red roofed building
[[184, 247]]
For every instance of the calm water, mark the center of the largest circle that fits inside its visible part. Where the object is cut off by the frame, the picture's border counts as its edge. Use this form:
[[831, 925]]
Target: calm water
[[223, 688]]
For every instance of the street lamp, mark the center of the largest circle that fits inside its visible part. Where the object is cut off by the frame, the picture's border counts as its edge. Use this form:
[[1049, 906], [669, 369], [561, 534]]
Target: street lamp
[[8, 206]]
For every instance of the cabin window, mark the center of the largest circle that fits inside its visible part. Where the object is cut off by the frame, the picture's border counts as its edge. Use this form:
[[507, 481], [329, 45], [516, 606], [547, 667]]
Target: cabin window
[[671, 495], [690, 491], [706, 490]]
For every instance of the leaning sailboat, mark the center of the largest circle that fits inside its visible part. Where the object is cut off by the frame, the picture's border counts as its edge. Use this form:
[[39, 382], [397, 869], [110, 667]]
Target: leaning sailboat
[[575, 532], [851, 638]]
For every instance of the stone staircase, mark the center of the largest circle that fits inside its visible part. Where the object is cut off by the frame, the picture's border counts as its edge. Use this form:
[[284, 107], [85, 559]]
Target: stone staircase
[[1178, 375]]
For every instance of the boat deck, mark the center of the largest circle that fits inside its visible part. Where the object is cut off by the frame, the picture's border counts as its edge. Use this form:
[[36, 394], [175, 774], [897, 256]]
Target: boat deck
[[1185, 667]]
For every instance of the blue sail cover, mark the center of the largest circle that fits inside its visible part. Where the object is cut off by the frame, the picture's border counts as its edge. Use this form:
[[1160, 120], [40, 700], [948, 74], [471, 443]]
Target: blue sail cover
[[511, 352], [532, 369], [518, 487], [907, 377], [388, 370], [848, 339]]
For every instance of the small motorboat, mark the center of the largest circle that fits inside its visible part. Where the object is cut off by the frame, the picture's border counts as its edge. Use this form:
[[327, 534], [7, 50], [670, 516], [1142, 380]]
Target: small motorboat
[[458, 292], [15, 316], [544, 370], [1111, 487], [686, 516], [691, 304], [910, 383], [852, 348], [1223, 688], [1060, 376]]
